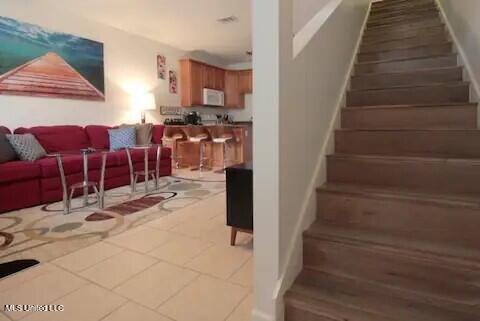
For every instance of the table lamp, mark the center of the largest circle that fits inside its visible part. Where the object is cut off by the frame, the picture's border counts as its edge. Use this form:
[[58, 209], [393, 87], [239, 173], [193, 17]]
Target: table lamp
[[143, 102]]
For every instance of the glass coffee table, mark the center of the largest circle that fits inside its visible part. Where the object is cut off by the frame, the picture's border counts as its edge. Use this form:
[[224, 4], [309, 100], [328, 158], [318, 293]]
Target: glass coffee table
[[86, 184], [154, 173]]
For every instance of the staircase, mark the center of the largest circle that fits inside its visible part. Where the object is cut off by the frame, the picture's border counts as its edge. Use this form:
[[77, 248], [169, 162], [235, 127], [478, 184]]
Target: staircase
[[397, 236]]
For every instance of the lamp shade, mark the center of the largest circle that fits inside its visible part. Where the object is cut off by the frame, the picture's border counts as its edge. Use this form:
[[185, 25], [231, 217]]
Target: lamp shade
[[143, 101]]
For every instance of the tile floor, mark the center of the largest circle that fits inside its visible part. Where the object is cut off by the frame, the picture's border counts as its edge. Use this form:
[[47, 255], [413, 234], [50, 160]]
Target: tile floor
[[179, 267]]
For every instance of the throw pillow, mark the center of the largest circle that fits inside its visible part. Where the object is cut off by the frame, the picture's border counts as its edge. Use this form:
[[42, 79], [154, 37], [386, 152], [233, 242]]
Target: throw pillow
[[7, 153], [143, 132], [122, 138], [27, 147]]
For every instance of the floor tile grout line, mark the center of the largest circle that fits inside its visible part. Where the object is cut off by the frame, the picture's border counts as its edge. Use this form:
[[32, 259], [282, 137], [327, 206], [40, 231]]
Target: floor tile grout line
[[52, 301], [90, 266], [177, 292], [238, 304]]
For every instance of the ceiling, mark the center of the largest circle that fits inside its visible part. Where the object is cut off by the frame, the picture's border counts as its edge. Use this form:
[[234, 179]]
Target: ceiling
[[190, 25]]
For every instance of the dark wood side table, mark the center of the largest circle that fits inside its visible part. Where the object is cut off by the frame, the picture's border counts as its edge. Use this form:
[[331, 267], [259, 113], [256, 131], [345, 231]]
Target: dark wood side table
[[240, 199]]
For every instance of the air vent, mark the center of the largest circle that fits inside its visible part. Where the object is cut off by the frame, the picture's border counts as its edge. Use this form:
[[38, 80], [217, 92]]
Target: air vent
[[230, 19]]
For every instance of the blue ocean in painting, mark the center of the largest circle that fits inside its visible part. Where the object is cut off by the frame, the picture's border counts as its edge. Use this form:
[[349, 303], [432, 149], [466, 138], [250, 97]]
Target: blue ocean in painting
[[21, 42]]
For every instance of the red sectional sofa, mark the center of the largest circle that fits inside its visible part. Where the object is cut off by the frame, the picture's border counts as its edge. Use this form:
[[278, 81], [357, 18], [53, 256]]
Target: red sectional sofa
[[24, 184]]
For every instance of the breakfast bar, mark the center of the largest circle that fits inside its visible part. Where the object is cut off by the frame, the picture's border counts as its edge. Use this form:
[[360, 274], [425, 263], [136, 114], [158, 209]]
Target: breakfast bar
[[186, 153]]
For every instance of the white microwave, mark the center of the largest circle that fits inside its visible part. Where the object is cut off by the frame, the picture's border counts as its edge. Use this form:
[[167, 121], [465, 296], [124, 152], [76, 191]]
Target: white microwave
[[213, 97]]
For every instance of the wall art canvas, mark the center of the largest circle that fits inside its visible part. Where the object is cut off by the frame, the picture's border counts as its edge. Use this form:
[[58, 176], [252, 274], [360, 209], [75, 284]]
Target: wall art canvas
[[161, 67], [35, 61], [173, 81]]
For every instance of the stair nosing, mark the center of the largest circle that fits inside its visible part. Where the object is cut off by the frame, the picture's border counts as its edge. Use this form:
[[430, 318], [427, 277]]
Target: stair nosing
[[469, 104], [400, 49], [375, 192], [425, 70], [404, 18], [422, 253], [365, 63], [375, 42], [402, 23], [403, 158], [401, 12], [428, 85]]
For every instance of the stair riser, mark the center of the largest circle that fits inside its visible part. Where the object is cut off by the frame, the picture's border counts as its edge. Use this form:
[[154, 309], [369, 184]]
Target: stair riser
[[406, 79], [438, 49], [376, 9], [404, 27], [392, 270], [422, 143], [410, 117], [405, 43], [405, 96], [406, 65], [405, 218], [448, 177], [426, 32], [296, 314], [396, 20], [419, 10]]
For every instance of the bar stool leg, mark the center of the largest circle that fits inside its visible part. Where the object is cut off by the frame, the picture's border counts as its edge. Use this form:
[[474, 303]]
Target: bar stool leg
[[224, 156], [202, 146]]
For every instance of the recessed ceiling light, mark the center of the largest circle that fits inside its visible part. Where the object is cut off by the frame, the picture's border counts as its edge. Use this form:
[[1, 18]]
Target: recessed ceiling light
[[229, 19]]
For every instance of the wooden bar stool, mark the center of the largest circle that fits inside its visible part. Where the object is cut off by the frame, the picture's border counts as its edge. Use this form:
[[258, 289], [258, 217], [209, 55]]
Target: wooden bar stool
[[171, 136], [222, 135], [199, 135]]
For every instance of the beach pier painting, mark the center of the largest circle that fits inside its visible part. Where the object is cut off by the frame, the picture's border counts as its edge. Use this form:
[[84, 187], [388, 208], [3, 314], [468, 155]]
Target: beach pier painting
[[41, 63]]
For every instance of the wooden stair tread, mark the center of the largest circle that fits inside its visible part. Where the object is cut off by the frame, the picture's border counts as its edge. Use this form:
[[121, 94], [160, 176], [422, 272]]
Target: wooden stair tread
[[375, 62], [402, 194], [431, 84], [405, 49], [343, 298], [443, 254], [418, 71], [411, 106]]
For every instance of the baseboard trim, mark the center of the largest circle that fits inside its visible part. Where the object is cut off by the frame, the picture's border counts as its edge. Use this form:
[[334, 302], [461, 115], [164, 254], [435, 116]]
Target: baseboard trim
[[260, 316]]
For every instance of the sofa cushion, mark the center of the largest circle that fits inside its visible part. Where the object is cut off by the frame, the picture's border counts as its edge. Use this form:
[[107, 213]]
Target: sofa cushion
[[58, 138], [122, 138], [18, 170], [26, 147], [7, 153], [98, 136], [143, 133], [157, 134]]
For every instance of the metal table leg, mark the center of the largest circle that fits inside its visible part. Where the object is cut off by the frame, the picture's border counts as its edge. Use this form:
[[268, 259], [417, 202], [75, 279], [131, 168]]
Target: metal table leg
[[101, 193], [85, 177], [63, 180], [157, 166], [146, 170]]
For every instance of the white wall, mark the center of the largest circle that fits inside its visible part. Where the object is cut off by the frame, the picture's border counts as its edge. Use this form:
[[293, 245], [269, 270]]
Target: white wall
[[304, 10], [463, 18], [297, 101]]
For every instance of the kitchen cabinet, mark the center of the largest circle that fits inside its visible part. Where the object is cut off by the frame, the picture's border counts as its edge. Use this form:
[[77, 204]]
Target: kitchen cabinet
[[245, 81], [233, 96], [195, 76], [191, 83]]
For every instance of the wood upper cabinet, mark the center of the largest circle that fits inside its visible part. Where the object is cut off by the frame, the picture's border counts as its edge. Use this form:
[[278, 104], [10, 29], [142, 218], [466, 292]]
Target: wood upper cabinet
[[245, 81], [191, 83], [195, 76], [233, 96]]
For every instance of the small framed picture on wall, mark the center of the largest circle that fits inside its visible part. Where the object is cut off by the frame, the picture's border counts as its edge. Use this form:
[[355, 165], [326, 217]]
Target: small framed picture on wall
[[161, 66], [173, 81]]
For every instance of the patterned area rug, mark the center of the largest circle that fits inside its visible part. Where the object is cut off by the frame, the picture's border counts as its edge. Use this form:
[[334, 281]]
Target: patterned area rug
[[45, 233]]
